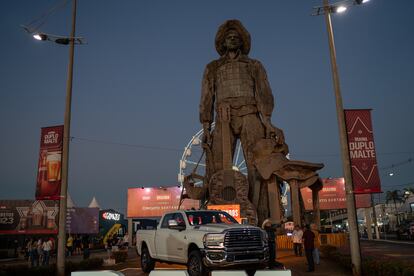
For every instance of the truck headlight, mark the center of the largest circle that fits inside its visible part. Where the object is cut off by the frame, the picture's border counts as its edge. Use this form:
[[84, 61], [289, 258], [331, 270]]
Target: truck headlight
[[214, 240]]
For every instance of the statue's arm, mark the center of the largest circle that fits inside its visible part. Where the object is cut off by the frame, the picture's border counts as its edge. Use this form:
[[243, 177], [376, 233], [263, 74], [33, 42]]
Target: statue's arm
[[265, 103], [264, 96], [207, 104]]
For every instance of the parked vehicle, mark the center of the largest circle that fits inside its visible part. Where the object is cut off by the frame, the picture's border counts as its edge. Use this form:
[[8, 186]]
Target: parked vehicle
[[203, 240]]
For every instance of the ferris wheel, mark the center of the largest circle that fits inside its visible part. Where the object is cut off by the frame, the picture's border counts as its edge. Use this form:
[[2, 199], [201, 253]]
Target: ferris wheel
[[193, 162]]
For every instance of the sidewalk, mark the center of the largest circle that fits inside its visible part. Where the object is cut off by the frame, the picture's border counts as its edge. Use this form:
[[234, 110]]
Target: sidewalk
[[389, 241], [298, 265]]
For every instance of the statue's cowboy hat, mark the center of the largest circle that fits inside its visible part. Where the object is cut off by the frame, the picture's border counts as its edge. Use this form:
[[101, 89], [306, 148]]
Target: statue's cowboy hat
[[232, 24]]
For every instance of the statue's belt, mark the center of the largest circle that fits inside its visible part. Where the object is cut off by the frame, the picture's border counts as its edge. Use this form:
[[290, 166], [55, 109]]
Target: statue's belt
[[240, 107]]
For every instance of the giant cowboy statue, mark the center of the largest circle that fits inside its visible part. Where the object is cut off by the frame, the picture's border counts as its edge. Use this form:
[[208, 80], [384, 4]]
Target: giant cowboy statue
[[236, 95]]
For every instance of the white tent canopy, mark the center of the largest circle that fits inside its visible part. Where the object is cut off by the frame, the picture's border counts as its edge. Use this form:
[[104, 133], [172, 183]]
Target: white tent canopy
[[94, 203], [69, 202]]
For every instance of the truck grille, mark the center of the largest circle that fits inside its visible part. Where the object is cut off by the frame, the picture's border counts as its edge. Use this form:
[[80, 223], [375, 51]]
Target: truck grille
[[243, 238]]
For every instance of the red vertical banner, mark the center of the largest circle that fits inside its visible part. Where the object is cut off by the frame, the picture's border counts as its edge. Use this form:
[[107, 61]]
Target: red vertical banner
[[50, 163], [365, 176]]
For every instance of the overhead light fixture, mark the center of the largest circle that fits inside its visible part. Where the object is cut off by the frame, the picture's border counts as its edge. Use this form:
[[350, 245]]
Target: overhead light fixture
[[340, 9], [38, 36], [64, 41], [359, 2]]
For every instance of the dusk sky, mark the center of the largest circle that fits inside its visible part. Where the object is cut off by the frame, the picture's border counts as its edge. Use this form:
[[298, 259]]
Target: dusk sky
[[136, 86]]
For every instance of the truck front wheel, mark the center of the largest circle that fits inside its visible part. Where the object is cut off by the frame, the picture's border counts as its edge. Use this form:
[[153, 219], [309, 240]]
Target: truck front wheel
[[147, 262], [195, 266]]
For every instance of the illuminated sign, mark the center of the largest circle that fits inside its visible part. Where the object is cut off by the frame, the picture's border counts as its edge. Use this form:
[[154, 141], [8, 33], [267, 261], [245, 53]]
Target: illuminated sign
[[111, 216], [232, 209], [154, 202]]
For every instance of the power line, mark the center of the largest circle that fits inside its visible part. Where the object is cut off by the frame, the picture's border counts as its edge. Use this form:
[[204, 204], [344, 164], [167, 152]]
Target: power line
[[126, 145], [33, 27], [399, 185], [392, 166], [147, 147]]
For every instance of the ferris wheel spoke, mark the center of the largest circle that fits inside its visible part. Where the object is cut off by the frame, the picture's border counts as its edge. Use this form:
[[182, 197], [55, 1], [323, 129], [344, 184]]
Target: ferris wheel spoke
[[238, 153], [241, 163], [194, 163], [198, 183]]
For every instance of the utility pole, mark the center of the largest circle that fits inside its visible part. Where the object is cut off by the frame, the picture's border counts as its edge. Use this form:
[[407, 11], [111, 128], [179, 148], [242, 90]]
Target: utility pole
[[374, 216], [350, 198], [65, 158]]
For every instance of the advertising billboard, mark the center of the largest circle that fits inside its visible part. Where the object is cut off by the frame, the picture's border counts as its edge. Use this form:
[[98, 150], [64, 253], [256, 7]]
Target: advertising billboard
[[82, 220], [332, 196], [154, 202], [50, 163], [232, 209], [28, 216], [365, 176]]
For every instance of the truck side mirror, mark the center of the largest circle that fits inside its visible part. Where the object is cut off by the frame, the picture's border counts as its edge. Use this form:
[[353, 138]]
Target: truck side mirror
[[173, 224]]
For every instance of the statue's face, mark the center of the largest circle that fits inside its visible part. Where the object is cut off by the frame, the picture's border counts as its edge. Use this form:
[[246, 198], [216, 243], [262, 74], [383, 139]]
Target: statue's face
[[232, 40]]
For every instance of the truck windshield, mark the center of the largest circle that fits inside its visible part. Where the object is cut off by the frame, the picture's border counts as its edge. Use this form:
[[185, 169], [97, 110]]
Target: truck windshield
[[201, 217]]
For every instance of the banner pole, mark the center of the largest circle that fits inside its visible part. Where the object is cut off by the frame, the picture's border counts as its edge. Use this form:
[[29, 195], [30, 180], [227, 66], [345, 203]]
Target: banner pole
[[60, 263], [350, 198]]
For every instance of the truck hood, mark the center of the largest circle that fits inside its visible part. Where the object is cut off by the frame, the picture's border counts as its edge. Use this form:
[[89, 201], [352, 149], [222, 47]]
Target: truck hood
[[220, 227]]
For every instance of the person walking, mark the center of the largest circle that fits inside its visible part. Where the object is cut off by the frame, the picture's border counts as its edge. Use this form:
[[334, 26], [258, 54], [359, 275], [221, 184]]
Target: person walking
[[47, 247], [317, 244], [69, 245], [34, 254], [125, 240], [309, 244], [39, 248], [85, 245], [271, 241], [77, 245], [297, 241]]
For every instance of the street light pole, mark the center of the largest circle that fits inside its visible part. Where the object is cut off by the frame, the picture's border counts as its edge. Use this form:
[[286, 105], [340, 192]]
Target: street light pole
[[350, 198], [65, 158]]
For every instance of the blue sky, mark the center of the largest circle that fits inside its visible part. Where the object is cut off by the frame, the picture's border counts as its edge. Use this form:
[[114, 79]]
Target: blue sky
[[137, 82]]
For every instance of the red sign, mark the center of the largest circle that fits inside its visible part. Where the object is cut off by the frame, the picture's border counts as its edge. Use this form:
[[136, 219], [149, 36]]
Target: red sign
[[154, 202], [232, 209], [50, 163], [365, 176], [332, 196], [28, 216]]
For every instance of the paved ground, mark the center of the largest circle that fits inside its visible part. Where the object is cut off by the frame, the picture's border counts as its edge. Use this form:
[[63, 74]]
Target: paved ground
[[402, 250], [387, 249], [296, 264]]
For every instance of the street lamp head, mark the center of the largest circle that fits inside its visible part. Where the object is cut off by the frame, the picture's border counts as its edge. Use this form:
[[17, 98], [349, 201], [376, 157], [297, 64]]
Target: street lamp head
[[39, 36], [340, 9], [359, 2], [64, 41]]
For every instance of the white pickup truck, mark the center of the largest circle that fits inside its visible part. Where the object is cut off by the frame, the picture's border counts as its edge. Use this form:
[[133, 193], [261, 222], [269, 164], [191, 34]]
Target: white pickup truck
[[203, 240]]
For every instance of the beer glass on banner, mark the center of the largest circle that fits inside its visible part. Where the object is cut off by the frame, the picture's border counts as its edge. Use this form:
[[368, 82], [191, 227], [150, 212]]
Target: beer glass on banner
[[53, 160]]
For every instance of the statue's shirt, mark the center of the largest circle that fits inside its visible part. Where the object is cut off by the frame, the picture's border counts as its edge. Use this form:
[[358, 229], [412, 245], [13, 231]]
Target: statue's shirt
[[241, 81], [234, 80]]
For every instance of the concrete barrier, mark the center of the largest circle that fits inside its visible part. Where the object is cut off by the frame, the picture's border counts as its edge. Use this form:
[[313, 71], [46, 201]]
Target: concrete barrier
[[228, 273], [258, 273], [97, 273], [273, 273], [169, 272]]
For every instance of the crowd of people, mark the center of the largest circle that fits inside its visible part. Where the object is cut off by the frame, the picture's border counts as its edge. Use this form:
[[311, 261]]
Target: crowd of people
[[304, 239], [308, 239], [78, 245], [116, 242], [40, 250]]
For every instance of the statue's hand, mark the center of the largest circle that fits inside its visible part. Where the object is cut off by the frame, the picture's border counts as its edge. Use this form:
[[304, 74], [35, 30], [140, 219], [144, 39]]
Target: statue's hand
[[275, 133], [206, 133]]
